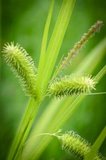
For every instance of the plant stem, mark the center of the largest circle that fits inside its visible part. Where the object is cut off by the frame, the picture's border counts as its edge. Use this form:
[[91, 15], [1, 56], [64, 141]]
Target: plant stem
[[42, 60], [24, 129], [96, 146]]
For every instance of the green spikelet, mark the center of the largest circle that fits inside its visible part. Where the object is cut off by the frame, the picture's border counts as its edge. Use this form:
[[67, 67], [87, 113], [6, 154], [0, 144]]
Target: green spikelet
[[74, 51], [22, 65], [74, 143], [70, 85]]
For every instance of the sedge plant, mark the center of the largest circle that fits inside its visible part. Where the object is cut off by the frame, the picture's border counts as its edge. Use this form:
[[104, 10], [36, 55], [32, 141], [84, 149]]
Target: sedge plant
[[69, 89]]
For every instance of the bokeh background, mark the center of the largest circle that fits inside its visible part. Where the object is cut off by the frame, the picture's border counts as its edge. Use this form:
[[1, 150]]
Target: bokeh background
[[23, 22]]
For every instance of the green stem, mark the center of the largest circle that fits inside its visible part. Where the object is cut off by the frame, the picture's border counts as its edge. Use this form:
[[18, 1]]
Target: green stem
[[24, 129], [42, 60], [96, 146]]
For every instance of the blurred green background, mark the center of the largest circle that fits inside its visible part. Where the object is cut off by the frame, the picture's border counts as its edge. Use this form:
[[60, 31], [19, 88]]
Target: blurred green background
[[23, 22]]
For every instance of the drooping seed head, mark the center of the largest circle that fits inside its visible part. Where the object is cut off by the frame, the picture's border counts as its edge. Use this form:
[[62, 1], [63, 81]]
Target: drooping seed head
[[22, 65], [77, 145], [71, 85]]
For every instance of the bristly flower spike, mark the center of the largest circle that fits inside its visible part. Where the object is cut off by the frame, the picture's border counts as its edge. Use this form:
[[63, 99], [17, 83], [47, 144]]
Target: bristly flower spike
[[74, 51], [22, 65], [73, 143], [71, 85]]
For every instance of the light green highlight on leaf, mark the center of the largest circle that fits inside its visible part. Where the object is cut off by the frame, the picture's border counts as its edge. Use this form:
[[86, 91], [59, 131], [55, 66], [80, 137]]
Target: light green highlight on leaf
[[42, 60]]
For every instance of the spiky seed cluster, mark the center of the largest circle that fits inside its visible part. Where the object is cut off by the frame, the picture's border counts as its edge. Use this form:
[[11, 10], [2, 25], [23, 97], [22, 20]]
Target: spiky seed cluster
[[93, 29], [74, 143], [70, 85], [22, 65]]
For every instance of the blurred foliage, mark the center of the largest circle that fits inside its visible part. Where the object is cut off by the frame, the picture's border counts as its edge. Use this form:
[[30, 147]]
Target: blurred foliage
[[23, 22]]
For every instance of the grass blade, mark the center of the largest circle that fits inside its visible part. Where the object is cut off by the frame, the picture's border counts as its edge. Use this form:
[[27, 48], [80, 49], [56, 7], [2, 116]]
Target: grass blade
[[57, 39], [44, 42]]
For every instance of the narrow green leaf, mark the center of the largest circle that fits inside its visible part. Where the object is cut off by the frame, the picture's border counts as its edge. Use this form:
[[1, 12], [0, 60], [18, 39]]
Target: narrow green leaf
[[42, 60], [57, 39]]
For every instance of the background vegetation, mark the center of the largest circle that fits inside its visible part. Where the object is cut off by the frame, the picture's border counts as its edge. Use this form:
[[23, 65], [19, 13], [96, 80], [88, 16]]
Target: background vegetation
[[23, 22]]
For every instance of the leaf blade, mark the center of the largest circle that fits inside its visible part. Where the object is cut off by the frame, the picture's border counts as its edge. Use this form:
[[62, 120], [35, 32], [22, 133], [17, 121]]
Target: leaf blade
[[57, 38], [44, 42]]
